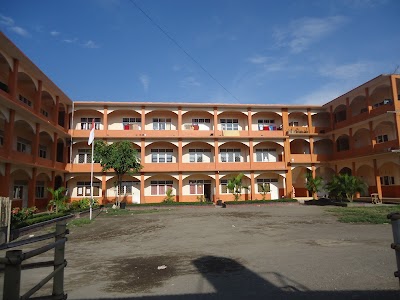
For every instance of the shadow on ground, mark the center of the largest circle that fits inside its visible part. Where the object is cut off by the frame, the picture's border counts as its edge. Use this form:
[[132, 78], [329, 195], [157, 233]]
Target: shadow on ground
[[232, 280]]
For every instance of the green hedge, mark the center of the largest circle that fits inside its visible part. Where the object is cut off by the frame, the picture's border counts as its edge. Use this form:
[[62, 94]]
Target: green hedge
[[261, 201], [167, 204], [38, 219]]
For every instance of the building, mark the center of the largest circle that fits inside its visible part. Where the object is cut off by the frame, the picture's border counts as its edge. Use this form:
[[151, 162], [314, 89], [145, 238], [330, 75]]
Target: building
[[192, 148]]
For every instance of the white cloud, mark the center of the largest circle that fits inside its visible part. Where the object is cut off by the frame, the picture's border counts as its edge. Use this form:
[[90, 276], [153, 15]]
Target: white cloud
[[54, 33], [364, 3], [189, 81], [322, 95], [349, 71], [11, 26], [70, 41], [91, 45], [301, 33], [258, 59], [145, 81]]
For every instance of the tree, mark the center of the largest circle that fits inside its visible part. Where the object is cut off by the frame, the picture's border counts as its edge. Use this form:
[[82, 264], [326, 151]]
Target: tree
[[59, 199], [346, 186], [313, 184], [235, 186], [169, 196], [264, 188], [119, 156]]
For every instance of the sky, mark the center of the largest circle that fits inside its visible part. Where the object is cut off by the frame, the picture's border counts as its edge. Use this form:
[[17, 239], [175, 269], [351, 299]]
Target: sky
[[247, 51]]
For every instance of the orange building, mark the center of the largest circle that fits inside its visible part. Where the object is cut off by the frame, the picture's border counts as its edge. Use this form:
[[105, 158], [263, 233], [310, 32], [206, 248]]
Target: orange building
[[192, 148]]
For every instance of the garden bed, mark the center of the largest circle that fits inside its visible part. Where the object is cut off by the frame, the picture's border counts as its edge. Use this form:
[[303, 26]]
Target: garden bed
[[325, 202], [261, 201]]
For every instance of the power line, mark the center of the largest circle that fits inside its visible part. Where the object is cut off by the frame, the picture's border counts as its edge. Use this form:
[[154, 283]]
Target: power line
[[182, 49]]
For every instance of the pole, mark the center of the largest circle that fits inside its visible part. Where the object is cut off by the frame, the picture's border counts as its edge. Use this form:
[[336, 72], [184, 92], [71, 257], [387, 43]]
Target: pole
[[91, 184], [59, 253], [12, 275], [395, 220]]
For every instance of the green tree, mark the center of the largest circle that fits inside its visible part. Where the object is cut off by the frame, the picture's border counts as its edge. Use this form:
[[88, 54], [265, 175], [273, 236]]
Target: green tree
[[58, 199], [264, 188], [313, 185], [346, 186], [169, 196], [235, 186], [119, 156]]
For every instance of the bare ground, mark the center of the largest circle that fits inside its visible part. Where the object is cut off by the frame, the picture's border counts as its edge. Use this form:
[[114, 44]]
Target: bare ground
[[244, 252]]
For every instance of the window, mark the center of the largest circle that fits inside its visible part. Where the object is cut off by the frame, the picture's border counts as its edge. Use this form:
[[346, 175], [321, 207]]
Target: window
[[160, 187], [84, 188], [126, 188], [294, 123], [44, 113], [161, 124], [382, 138], [264, 155], [196, 155], [132, 123], [1, 138], [387, 180], [161, 155], [23, 145], [230, 124], [84, 156], [197, 186], [39, 193], [25, 100], [42, 151], [86, 123], [200, 121], [4, 87], [230, 155], [224, 186], [18, 191], [264, 182], [266, 121]]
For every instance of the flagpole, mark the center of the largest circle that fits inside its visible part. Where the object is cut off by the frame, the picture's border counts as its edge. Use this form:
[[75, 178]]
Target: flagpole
[[91, 183]]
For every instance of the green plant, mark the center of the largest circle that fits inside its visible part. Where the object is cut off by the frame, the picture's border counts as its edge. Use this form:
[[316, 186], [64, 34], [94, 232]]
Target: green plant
[[264, 188], [81, 204], [345, 186], [19, 216], [59, 199], [201, 198], [313, 185], [235, 186], [169, 196]]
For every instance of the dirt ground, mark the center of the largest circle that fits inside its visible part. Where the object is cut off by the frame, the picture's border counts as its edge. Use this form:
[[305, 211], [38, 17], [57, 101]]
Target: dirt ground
[[241, 252]]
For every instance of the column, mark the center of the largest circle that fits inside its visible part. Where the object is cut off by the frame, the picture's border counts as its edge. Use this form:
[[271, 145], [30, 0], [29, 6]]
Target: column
[[372, 134], [332, 120], [251, 153], [66, 119], [57, 110], [142, 152], [32, 188], [6, 181], [179, 121], [180, 189], [252, 186], [309, 121], [285, 120], [105, 118], [143, 121], [142, 183], [217, 195], [180, 154], [313, 172], [216, 159], [333, 144], [377, 180], [289, 184], [9, 133], [249, 121], [54, 150], [104, 189], [215, 121], [368, 99], [13, 80], [395, 93], [312, 148], [35, 146], [38, 98]]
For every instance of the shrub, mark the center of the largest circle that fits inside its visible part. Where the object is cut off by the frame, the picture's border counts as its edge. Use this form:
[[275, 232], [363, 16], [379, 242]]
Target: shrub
[[169, 196], [20, 215]]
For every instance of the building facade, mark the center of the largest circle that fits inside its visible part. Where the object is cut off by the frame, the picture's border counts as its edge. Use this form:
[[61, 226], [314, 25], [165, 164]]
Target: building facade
[[193, 149]]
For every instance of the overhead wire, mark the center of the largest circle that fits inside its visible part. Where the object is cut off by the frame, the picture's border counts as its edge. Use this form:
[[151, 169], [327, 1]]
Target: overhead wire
[[174, 41]]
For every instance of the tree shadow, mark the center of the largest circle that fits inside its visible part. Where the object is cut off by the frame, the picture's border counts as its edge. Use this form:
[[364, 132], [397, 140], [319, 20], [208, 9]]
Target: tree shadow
[[232, 280]]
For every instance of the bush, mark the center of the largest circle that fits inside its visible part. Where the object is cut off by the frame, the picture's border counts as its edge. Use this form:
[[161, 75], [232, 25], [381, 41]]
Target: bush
[[284, 200], [37, 219], [19, 216]]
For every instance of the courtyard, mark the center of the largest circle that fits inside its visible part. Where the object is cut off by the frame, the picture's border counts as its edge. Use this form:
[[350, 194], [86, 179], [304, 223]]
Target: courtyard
[[282, 251]]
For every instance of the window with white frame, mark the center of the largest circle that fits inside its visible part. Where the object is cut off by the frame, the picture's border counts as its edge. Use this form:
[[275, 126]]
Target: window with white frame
[[1, 138], [197, 186], [263, 122], [229, 124], [23, 145], [126, 188], [387, 180], [42, 151], [200, 121], [382, 138], [86, 123], [25, 100], [161, 155], [224, 186], [265, 155], [84, 156], [18, 189], [198, 155], [132, 123], [264, 182], [294, 123], [230, 155], [40, 190], [161, 124], [83, 188], [160, 187]]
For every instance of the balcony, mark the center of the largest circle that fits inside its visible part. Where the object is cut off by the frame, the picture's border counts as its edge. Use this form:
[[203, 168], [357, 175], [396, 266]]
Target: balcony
[[299, 130], [300, 158], [269, 166], [190, 130], [193, 167]]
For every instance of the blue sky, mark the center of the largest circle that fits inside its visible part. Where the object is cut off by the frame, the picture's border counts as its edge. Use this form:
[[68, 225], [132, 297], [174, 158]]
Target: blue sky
[[289, 52]]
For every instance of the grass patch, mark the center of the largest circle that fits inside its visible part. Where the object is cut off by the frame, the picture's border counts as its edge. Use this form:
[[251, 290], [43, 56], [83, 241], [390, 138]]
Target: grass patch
[[261, 201], [79, 222], [125, 212], [166, 204], [373, 215]]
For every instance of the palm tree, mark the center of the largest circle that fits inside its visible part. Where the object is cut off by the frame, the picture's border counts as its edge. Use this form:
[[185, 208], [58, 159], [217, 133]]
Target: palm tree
[[59, 198], [235, 186], [313, 184], [344, 185], [264, 188]]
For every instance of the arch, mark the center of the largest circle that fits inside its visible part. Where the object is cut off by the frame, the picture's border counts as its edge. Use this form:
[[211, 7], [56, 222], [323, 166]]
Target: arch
[[20, 122], [385, 131], [60, 150], [276, 184], [298, 118], [366, 173], [79, 186], [389, 173], [196, 185], [167, 120], [21, 172], [345, 170], [82, 116], [326, 173], [228, 115], [340, 113], [299, 146], [299, 181], [5, 70], [161, 151], [156, 186], [197, 151], [116, 120], [228, 152], [262, 118], [358, 105], [379, 91], [62, 110], [268, 151], [323, 146], [321, 119], [45, 133], [45, 145], [361, 138], [198, 119], [27, 88], [343, 143], [47, 105]]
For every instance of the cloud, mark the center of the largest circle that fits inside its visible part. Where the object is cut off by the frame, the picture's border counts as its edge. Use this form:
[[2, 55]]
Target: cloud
[[70, 41], [348, 71], [11, 26], [145, 81], [364, 3], [189, 81], [301, 33], [322, 95], [54, 33], [91, 45], [258, 59]]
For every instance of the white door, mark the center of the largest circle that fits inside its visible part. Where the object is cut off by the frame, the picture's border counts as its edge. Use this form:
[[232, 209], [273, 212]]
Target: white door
[[274, 190], [136, 192]]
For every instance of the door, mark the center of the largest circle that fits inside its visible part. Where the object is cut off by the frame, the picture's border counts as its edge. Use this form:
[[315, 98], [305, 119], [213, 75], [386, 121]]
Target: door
[[136, 192], [207, 191], [274, 190]]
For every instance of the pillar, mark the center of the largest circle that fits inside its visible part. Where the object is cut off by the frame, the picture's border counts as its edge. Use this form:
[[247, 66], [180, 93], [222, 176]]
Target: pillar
[[372, 134], [251, 153], [351, 140], [105, 118], [180, 189], [312, 148], [180, 154], [6, 181], [38, 98], [313, 172], [368, 99], [142, 183], [104, 188], [215, 121], [377, 180], [332, 119], [35, 146], [143, 120], [9, 133], [142, 151], [54, 150], [32, 188], [309, 121], [57, 109], [13, 80], [217, 188], [66, 119], [252, 186], [179, 121], [216, 159], [249, 121], [289, 184]]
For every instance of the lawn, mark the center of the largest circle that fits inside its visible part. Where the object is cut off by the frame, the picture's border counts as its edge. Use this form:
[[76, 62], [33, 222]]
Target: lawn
[[374, 215]]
